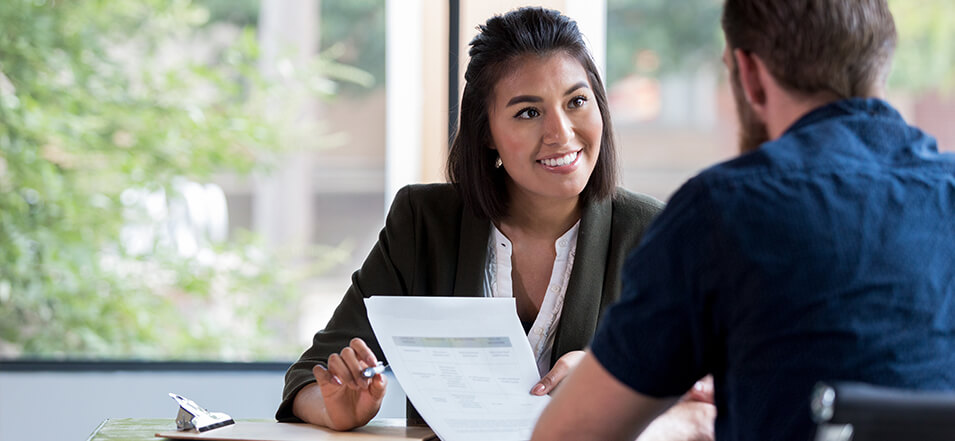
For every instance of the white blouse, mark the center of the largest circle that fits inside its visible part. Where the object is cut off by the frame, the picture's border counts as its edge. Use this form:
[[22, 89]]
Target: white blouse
[[497, 283]]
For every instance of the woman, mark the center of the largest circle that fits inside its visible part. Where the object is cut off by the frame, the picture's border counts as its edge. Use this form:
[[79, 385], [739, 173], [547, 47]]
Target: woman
[[532, 212]]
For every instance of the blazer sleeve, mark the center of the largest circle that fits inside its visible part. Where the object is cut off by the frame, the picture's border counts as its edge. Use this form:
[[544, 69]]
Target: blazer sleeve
[[387, 270]]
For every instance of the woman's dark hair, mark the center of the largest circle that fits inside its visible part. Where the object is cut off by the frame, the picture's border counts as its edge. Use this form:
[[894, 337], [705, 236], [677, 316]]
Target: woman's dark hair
[[501, 42]]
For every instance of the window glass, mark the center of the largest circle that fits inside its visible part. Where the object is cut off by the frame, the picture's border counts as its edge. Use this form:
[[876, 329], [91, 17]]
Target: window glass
[[192, 181], [150, 151], [671, 103]]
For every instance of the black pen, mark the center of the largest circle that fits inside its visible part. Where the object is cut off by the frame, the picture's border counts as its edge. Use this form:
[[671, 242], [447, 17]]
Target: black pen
[[374, 370]]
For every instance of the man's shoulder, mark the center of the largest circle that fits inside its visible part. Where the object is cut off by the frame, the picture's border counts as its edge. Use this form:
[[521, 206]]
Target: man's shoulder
[[783, 158]]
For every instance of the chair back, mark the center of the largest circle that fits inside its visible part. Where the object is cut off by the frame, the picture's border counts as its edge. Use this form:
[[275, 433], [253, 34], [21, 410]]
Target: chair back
[[863, 412]]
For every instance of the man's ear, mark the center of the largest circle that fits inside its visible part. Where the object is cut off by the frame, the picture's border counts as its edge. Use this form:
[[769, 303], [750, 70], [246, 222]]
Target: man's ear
[[752, 78]]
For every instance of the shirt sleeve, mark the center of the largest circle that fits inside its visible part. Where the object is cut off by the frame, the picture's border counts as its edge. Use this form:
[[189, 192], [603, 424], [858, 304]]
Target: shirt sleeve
[[384, 272], [658, 337]]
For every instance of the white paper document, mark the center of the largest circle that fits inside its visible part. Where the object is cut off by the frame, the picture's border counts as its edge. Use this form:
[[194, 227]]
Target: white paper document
[[464, 363]]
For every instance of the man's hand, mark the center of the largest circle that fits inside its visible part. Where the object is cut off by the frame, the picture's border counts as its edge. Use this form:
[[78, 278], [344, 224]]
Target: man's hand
[[685, 421], [592, 404], [342, 399], [691, 419], [562, 367], [702, 391]]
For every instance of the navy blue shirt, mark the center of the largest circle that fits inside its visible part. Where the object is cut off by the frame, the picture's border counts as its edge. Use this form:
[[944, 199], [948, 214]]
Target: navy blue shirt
[[827, 254]]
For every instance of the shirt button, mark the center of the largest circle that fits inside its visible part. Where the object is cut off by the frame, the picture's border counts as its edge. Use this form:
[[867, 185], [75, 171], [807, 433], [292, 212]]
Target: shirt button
[[562, 243], [539, 331], [554, 288]]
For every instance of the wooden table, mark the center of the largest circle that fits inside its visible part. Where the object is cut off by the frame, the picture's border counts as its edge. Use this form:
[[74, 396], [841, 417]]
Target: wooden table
[[143, 429]]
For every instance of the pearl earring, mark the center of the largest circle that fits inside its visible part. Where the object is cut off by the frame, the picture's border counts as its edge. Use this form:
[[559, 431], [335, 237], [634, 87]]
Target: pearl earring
[[498, 163]]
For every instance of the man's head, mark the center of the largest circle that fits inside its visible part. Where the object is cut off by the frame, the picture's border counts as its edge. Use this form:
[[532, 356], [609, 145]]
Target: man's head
[[837, 48]]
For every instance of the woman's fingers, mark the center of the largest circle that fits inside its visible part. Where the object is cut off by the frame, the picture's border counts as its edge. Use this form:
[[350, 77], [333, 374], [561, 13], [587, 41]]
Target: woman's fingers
[[377, 387], [363, 352], [339, 368], [561, 369], [345, 368], [355, 366], [323, 377]]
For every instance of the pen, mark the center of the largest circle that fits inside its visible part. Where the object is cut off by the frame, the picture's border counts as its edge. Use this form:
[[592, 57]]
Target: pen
[[374, 370]]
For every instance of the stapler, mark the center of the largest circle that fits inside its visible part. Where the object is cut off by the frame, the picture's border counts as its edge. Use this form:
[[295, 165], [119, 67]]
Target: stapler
[[193, 417]]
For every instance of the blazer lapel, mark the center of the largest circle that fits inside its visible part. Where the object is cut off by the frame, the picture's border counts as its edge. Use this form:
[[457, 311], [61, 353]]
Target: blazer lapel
[[578, 319], [472, 254]]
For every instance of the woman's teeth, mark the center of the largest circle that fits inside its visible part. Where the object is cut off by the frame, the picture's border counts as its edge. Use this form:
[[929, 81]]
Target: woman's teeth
[[563, 160]]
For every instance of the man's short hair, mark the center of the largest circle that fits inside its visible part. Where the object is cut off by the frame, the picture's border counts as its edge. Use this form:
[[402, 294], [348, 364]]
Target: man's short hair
[[811, 46]]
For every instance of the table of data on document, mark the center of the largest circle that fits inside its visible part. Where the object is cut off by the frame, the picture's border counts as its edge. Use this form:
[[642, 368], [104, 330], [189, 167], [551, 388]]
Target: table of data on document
[[471, 380]]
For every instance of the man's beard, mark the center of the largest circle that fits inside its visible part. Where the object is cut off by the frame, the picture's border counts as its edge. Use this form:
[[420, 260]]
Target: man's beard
[[752, 131]]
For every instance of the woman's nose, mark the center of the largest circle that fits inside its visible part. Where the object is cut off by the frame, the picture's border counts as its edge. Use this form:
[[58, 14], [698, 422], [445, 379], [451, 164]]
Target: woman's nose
[[558, 128]]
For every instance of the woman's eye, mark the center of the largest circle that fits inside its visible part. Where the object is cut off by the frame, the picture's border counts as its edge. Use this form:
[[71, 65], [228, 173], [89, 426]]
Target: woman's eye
[[577, 102], [527, 113]]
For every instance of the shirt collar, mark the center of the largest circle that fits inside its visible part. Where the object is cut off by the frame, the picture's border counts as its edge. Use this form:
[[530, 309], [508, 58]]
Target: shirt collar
[[873, 106]]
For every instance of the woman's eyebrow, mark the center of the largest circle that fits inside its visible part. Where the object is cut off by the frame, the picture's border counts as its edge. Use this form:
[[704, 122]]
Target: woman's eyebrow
[[575, 87], [536, 99], [524, 99]]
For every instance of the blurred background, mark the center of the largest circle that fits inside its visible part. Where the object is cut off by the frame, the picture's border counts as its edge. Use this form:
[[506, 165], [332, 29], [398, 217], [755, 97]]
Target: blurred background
[[188, 185]]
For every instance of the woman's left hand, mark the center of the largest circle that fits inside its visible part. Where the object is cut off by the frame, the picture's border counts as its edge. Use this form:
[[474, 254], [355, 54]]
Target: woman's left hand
[[561, 369]]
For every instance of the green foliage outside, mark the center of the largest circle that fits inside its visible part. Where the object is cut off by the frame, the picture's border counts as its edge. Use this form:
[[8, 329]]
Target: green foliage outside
[[351, 31], [686, 34], [925, 57], [244, 13], [354, 31], [90, 106], [681, 35]]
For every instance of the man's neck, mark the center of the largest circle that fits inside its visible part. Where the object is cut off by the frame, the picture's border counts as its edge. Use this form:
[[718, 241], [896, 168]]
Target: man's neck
[[789, 107]]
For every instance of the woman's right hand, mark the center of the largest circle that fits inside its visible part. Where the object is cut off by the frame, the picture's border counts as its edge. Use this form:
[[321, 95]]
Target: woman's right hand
[[346, 399]]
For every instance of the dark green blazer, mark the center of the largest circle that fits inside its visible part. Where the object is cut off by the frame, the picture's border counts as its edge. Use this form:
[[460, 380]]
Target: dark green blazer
[[432, 245]]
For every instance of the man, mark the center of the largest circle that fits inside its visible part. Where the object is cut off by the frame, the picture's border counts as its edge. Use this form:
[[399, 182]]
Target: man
[[825, 252]]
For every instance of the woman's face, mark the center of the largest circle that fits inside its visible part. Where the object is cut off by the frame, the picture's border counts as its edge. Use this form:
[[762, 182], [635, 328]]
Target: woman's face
[[546, 126]]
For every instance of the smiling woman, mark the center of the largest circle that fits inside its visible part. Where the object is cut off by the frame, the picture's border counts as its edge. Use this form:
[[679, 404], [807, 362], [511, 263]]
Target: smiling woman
[[532, 212], [546, 128]]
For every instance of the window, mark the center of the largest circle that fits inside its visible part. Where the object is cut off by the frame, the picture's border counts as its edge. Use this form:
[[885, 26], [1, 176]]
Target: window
[[198, 180], [671, 103], [671, 111], [174, 175]]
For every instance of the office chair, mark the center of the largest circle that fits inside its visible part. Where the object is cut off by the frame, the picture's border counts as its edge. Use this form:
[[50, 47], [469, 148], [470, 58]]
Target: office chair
[[863, 412]]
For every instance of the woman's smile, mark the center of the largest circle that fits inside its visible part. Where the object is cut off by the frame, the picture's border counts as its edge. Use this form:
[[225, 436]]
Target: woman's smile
[[564, 163], [546, 127]]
